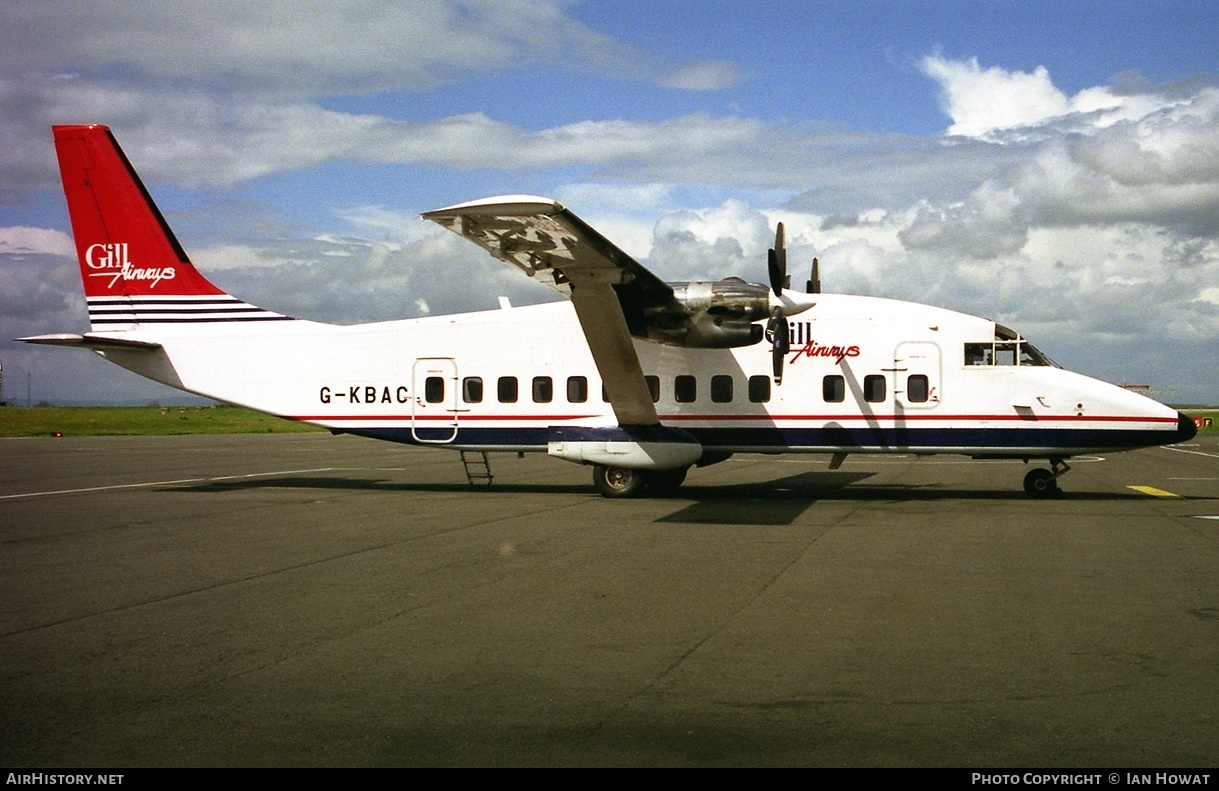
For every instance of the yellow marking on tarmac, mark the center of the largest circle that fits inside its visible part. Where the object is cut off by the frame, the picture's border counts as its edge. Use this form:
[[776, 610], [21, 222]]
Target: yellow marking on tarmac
[[1153, 491]]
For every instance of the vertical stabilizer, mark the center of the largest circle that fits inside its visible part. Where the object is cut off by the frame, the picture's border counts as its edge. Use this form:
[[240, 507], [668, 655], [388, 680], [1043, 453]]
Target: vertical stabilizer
[[134, 270]]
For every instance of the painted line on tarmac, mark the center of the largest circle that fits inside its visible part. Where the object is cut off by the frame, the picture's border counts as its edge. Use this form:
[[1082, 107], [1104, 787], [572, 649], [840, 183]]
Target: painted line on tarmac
[[161, 483], [1154, 492], [1194, 452]]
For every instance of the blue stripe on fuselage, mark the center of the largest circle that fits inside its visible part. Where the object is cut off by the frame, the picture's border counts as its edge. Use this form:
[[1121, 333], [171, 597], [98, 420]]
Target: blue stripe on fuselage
[[970, 441]]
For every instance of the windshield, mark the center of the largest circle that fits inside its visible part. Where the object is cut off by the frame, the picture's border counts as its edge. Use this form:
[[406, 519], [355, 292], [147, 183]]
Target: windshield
[[1007, 348]]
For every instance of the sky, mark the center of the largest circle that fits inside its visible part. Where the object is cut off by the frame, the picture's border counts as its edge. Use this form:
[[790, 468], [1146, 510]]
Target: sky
[[1050, 165]]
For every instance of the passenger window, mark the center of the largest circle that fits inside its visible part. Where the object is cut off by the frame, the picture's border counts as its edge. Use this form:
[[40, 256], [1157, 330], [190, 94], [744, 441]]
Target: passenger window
[[653, 387], [472, 390], [833, 389], [721, 389], [433, 389], [577, 389], [543, 389], [874, 388], [507, 389], [685, 389], [759, 389], [917, 389]]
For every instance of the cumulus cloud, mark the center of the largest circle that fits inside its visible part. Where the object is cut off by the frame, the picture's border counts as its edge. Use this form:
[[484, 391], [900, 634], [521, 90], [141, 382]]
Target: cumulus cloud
[[983, 227], [984, 101], [729, 240], [981, 100]]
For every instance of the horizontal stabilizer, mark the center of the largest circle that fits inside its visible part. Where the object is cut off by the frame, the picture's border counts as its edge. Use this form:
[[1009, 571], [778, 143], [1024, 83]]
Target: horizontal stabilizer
[[90, 340]]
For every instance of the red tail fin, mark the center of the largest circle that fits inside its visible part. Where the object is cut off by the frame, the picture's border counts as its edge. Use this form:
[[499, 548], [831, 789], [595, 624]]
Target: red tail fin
[[133, 268]]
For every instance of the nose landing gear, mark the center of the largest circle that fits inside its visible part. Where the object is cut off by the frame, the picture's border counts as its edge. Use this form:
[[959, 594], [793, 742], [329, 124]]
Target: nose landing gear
[[1042, 483]]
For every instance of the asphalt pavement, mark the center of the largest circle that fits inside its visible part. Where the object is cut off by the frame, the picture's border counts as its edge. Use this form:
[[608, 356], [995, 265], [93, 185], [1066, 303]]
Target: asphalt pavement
[[308, 600]]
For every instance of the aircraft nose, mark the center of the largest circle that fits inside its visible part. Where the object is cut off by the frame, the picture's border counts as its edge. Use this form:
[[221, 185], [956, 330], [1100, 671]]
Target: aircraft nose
[[1187, 429]]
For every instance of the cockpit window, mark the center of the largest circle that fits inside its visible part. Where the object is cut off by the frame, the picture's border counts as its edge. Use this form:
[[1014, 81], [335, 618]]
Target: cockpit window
[[1008, 348], [1031, 355], [979, 354]]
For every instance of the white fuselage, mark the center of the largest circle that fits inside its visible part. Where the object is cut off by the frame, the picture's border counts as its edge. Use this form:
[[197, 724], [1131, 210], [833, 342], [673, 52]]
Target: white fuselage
[[863, 375]]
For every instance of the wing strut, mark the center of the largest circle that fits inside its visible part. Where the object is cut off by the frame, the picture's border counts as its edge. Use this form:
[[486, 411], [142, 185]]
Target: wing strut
[[552, 245]]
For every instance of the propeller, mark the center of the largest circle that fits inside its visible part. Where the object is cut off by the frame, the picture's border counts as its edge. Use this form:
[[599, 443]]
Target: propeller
[[777, 328], [778, 331]]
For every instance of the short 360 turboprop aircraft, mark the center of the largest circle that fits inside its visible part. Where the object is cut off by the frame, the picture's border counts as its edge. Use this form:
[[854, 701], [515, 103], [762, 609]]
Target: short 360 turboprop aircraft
[[639, 378]]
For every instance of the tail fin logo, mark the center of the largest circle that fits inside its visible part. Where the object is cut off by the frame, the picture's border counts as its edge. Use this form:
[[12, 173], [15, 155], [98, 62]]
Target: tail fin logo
[[113, 261]]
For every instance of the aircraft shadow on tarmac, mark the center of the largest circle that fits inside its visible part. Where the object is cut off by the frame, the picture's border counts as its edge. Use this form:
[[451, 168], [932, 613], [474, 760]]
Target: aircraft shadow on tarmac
[[775, 502]]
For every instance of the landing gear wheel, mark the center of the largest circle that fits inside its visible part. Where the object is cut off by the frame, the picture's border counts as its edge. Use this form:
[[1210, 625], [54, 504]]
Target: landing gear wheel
[[1040, 483], [618, 482], [665, 482]]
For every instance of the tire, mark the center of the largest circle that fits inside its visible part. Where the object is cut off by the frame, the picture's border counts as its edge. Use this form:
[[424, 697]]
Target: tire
[[618, 482], [666, 482], [1040, 483]]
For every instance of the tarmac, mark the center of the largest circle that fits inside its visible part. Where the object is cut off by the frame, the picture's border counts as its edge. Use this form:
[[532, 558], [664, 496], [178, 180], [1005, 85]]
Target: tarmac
[[308, 600]]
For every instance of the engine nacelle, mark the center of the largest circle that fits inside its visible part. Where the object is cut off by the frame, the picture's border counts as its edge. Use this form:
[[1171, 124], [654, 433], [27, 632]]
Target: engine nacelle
[[719, 315]]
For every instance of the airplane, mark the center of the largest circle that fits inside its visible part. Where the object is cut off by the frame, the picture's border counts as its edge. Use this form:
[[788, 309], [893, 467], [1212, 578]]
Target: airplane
[[638, 378]]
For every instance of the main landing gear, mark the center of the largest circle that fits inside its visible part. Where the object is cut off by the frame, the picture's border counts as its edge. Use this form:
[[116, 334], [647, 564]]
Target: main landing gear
[[621, 482], [1042, 483]]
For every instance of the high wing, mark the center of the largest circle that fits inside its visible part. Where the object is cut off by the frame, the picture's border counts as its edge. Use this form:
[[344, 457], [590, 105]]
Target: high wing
[[545, 240], [610, 291]]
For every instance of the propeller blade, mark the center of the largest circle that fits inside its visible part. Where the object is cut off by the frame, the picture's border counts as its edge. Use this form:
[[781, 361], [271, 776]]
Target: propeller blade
[[776, 272], [776, 263], [814, 283], [780, 333]]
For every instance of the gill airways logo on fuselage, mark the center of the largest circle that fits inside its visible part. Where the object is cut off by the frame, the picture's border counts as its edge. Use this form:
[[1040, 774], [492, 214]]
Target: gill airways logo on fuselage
[[813, 349], [112, 261], [802, 344]]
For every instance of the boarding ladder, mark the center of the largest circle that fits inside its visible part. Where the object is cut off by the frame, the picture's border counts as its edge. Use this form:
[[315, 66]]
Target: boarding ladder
[[478, 467]]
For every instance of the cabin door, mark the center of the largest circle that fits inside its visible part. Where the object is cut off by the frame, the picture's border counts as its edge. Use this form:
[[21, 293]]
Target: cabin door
[[434, 400], [917, 376]]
